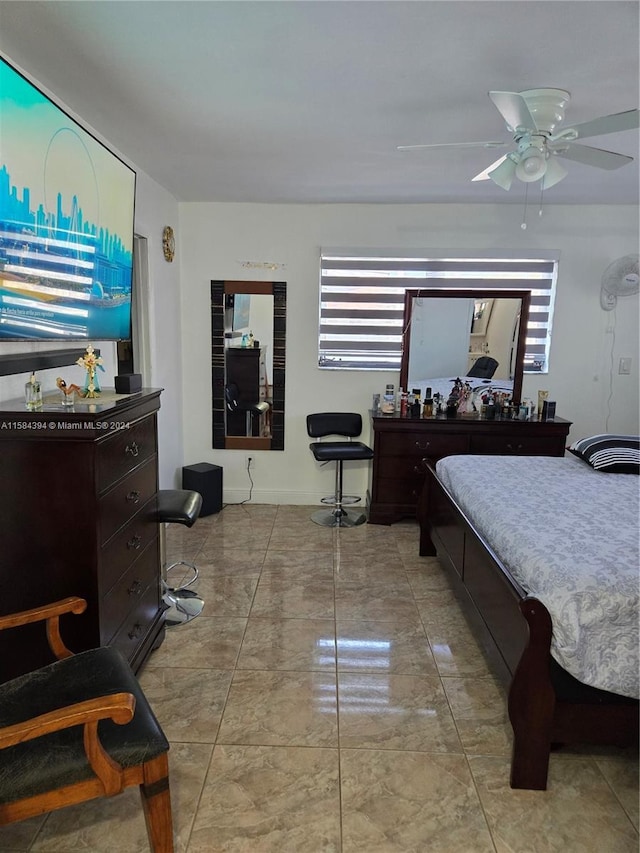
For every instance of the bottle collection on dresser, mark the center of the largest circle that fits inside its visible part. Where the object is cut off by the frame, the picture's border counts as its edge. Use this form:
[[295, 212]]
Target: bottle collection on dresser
[[462, 399]]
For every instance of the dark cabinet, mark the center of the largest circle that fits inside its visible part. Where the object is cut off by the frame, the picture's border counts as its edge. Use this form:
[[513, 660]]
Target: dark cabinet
[[401, 444], [245, 368], [78, 517]]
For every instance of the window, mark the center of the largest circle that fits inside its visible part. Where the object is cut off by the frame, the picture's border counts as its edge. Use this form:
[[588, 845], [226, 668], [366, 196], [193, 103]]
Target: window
[[362, 301]]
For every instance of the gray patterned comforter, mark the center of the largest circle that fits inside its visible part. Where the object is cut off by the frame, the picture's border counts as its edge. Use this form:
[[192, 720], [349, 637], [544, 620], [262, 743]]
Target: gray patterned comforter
[[569, 536]]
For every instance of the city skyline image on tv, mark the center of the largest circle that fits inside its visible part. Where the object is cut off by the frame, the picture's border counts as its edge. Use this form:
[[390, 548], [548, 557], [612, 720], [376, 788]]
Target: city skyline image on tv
[[66, 223]]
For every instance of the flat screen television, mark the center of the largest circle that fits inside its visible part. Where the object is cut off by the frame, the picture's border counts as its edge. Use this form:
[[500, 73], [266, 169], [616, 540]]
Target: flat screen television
[[66, 224]]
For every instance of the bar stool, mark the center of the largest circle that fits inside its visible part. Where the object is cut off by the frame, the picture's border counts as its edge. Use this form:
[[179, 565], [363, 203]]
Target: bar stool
[[252, 409], [178, 506], [348, 425]]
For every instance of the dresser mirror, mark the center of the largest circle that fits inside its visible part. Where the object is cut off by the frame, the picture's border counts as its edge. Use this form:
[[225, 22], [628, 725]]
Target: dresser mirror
[[248, 343], [476, 335]]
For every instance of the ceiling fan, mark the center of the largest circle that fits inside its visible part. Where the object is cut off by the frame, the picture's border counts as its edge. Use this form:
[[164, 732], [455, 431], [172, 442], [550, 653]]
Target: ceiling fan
[[535, 117]]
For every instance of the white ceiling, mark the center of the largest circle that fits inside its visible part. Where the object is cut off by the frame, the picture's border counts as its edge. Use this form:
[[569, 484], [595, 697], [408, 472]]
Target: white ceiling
[[277, 101]]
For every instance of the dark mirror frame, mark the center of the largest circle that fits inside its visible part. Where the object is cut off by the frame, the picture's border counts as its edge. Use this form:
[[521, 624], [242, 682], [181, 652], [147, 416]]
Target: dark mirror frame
[[455, 293], [219, 289]]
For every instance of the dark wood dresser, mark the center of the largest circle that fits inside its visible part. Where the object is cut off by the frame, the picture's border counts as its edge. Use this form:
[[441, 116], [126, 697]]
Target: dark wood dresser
[[78, 517], [400, 444]]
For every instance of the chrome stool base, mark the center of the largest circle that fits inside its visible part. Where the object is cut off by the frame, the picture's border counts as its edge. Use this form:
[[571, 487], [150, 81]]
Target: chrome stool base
[[181, 606], [338, 518]]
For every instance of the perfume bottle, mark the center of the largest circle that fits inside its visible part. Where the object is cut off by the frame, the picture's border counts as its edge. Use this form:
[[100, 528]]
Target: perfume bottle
[[33, 393]]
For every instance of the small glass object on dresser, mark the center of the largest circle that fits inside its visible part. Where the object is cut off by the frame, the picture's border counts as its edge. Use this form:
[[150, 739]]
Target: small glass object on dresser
[[33, 393]]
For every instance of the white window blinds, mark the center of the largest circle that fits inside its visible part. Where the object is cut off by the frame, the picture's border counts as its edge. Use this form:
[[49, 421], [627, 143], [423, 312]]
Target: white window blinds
[[362, 301]]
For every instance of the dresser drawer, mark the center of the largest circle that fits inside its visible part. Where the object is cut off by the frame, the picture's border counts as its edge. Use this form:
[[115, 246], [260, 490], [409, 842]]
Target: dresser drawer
[[419, 444], [137, 623], [124, 450], [406, 492], [125, 596], [507, 445], [126, 499], [405, 468], [127, 545]]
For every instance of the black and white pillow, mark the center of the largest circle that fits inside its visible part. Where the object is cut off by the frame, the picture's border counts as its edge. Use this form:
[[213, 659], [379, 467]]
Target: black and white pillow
[[614, 454]]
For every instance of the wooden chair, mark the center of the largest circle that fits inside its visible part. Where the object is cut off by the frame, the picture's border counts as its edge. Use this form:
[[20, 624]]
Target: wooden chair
[[77, 729]]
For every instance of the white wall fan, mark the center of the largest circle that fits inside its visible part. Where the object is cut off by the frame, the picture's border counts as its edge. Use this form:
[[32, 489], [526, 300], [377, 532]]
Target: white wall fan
[[619, 279], [534, 118]]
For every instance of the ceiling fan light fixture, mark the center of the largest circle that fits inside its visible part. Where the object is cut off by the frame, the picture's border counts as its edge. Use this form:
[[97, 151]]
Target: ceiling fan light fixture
[[532, 165]]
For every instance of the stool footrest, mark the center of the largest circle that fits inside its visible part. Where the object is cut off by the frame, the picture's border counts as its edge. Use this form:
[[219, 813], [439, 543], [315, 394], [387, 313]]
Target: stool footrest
[[184, 581], [346, 499]]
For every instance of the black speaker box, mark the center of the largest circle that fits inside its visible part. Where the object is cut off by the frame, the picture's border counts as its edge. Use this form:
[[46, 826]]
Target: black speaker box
[[206, 479], [129, 383]]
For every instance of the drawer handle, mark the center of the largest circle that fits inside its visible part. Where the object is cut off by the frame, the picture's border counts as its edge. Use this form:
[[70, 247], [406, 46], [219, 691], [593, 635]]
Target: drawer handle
[[135, 588], [135, 632], [518, 447], [134, 542], [423, 446], [132, 449], [133, 497]]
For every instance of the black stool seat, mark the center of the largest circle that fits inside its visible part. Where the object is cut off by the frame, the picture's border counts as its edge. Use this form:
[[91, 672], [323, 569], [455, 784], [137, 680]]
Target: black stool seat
[[331, 451], [179, 506]]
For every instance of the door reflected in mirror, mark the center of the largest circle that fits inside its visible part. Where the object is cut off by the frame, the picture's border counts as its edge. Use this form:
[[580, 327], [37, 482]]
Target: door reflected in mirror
[[248, 322]]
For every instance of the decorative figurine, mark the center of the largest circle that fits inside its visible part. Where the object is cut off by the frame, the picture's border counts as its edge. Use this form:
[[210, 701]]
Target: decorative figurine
[[91, 363], [68, 391]]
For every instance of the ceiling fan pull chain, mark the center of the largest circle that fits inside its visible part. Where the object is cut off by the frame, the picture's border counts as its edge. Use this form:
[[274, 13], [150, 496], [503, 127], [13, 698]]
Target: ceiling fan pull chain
[[541, 195], [524, 213]]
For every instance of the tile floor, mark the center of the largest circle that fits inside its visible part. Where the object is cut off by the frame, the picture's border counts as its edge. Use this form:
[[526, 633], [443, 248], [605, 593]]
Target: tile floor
[[332, 697]]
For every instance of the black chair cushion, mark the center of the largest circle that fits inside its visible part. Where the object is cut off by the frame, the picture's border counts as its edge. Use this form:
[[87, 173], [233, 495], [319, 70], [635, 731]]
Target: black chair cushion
[[330, 451], [179, 506], [334, 423], [58, 759], [483, 367]]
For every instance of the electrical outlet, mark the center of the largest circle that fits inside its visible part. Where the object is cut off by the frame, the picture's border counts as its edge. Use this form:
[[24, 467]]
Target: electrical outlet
[[624, 367], [250, 462]]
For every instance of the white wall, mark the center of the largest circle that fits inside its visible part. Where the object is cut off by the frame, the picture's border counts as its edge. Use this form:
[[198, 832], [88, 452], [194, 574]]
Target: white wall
[[155, 208], [217, 238]]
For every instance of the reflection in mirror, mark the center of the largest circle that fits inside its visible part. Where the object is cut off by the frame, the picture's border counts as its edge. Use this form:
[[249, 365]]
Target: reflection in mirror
[[248, 336], [248, 322], [470, 334]]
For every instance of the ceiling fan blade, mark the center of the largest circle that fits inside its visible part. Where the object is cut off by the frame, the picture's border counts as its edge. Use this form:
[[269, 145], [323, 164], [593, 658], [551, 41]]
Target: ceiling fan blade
[[504, 174], [453, 145], [614, 123], [597, 157], [554, 174], [484, 175], [501, 172], [513, 109]]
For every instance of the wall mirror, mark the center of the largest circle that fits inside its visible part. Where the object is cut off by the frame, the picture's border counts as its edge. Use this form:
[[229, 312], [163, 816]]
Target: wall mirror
[[477, 335], [248, 338]]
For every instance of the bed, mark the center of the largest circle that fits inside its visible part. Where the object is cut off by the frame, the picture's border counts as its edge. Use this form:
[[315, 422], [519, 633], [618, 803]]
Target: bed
[[545, 550]]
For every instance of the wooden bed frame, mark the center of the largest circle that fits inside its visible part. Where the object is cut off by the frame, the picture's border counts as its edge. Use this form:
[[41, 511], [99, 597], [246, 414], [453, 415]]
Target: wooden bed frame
[[547, 706]]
